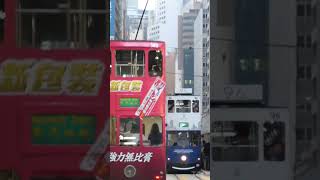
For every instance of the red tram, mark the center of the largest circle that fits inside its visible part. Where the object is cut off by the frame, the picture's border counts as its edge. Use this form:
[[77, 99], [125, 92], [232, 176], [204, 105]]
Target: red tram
[[137, 101]]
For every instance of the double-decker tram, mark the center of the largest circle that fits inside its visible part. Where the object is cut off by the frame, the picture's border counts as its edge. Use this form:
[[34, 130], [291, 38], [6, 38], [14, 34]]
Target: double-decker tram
[[137, 124], [251, 143], [183, 133]]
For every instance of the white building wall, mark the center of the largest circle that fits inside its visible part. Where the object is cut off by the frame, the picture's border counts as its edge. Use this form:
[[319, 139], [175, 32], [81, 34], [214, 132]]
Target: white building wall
[[198, 54], [165, 24]]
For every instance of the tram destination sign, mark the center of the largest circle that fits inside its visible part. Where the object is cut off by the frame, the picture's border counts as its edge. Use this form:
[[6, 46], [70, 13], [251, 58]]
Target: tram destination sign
[[129, 102], [63, 129], [151, 98]]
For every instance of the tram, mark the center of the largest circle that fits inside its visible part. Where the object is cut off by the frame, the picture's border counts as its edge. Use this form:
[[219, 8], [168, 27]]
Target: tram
[[251, 143], [183, 133], [137, 124]]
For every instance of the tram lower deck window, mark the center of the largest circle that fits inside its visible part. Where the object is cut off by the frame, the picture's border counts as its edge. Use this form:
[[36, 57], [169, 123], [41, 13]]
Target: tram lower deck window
[[235, 141], [129, 131], [152, 135]]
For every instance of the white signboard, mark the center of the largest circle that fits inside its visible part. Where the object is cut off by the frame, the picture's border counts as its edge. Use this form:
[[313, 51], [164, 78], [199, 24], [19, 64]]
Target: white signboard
[[151, 98], [238, 93]]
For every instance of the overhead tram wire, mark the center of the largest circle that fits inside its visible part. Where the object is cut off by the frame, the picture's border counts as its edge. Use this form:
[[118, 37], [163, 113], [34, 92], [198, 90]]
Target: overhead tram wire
[[141, 19]]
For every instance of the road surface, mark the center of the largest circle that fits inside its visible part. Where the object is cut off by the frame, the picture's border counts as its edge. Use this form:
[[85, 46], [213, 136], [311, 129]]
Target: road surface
[[203, 175]]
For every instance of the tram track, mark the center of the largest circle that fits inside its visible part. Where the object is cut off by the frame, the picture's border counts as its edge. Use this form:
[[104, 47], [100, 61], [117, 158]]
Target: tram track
[[187, 177]]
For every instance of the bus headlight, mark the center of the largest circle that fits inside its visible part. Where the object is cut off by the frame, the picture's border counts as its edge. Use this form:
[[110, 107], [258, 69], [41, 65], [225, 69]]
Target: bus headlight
[[168, 159], [130, 171], [198, 159], [183, 158]]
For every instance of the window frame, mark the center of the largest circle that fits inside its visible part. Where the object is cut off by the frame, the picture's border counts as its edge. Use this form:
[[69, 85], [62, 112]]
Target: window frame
[[256, 145], [119, 131], [148, 63], [114, 55]]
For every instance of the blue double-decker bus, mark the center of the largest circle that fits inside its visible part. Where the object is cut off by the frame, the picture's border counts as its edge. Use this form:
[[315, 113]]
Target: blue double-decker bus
[[183, 134]]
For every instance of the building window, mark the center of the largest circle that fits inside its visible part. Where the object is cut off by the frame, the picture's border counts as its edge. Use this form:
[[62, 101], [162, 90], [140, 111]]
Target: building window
[[80, 25], [300, 10], [257, 64], [308, 72], [308, 41], [300, 134], [300, 41], [243, 64], [308, 9]]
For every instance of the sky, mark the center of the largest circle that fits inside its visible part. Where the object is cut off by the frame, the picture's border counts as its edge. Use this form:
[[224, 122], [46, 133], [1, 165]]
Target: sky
[[142, 3]]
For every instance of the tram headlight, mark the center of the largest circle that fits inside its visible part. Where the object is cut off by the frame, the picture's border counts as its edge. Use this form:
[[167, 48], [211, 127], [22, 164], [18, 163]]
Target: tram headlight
[[183, 158], [130, 171]]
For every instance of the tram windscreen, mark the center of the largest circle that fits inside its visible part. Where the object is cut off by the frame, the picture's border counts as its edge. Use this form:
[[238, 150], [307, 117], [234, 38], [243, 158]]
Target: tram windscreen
[[184, 138], [235, 141]]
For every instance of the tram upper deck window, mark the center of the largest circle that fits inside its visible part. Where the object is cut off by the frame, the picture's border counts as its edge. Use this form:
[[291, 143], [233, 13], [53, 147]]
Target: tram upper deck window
[[183, 106], [274, 141], [155, 63], [235, 141], [129, 131], [170, 106], [152, 135], [195, 106], [61, 24], [130, 63], [2, 17]]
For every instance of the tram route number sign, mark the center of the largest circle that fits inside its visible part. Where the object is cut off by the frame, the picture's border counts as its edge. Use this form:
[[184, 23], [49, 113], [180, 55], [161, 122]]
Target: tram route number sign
[[151, 98]]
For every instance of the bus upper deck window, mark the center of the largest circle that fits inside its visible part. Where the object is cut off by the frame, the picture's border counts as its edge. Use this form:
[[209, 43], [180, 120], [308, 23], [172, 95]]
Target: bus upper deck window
[[130, 63], [155, 63]]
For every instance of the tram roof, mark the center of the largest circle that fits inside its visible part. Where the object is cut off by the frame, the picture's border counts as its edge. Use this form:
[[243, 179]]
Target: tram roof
[[136, 43]]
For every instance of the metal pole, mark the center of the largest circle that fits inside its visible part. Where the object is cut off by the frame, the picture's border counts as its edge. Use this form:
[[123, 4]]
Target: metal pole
[[141, 19]]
